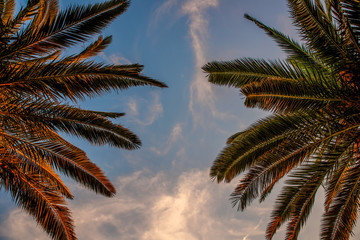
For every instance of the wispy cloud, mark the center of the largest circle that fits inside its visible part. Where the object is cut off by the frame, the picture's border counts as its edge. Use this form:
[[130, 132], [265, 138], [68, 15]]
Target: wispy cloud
[[153, 207], [115, 59], [202, 96], [201, 93], [132, 104], [162, 10], [143, 111], [175, 135], [18, 225]]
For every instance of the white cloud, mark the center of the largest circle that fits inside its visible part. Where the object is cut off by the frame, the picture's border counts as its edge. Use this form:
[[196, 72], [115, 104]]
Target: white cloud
[[115, 59], [133, 107], [154, 207], [202, 96], [19, 225], [176, 132], [163, 9], [200, 89], [150, 110], [175, 135]]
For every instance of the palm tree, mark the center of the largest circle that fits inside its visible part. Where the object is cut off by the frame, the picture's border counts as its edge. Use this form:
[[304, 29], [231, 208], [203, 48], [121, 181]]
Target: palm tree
[[312, 137], [37, 86]]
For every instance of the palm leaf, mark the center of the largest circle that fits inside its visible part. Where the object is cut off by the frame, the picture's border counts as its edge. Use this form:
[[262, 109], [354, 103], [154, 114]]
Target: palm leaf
[[244, 71], [60, 79], [341, 216], [351, 11], [25, 14], [293, 49], [8, 11], [312, 138], [93, 49], [74, 25], [297, 198], [90, 125], [39, 200], [318, 30], [36, 78], [72, 164]]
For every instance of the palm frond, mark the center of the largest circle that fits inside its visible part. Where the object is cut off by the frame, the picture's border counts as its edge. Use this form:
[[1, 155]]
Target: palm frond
[[41, 168], [351, 11], [72, 164], [341, 216], [75, 24], [36, 79], [39, 199], [46, 14], [297, 198], [90, 125], [318, 31], [312, 138], [75, 80], [295, 51], [289, 96], [93, 49], [8, 11], [25, 14], [244, 71], [345, 27], [258, 139]]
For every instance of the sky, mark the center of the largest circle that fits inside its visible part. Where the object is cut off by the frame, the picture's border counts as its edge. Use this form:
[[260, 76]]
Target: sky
[[164, 191]]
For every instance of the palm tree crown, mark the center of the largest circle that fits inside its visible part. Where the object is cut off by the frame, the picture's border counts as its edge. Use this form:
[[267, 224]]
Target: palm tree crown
[[35, 81], [313, 135]]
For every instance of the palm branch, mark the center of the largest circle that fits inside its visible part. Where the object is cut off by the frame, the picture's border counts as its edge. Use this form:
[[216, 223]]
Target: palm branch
[[312, 139], [36, 79]]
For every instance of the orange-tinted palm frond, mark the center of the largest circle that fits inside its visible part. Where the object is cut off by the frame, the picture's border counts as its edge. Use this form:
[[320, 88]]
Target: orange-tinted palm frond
[[39, 198]]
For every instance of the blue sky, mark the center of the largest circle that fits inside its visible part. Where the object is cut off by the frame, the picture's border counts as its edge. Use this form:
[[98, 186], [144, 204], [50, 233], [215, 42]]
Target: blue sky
[[164, 190]]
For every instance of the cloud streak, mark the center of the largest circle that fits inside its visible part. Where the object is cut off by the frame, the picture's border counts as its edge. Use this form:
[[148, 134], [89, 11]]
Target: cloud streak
[[175, 135], [163, 9], [150, 110], [115, 59], [202, 96], [201, 93]]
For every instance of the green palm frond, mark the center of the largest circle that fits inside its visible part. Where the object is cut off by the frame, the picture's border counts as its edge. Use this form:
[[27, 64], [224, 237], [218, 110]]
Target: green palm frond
[[312, 138], [341, 216], [295, 51], [318, 31], [259, 138], [289, 96], [244, 71]]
